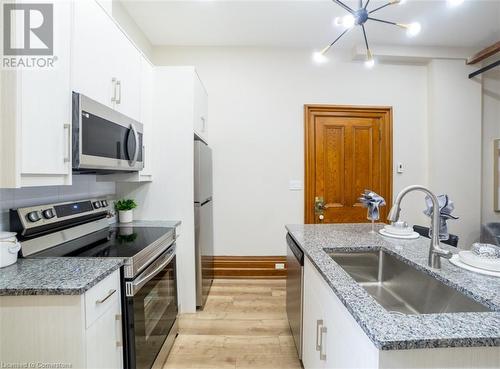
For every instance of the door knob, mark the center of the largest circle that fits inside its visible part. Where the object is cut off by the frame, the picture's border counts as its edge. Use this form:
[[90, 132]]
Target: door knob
[[319, 205]]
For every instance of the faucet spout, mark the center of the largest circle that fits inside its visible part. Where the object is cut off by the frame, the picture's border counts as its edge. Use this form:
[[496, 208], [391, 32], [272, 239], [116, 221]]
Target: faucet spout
[[435, 250]]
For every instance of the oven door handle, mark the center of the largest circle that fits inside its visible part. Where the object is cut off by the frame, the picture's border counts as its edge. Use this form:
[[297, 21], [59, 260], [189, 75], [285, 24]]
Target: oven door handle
[[143, 280]]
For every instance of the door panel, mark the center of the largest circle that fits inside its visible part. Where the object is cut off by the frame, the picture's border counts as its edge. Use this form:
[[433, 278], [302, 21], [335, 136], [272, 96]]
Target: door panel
[[348, 150]]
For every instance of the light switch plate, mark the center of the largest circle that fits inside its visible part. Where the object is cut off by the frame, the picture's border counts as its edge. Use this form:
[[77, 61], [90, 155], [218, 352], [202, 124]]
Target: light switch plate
[[295, 185], [400, 168]]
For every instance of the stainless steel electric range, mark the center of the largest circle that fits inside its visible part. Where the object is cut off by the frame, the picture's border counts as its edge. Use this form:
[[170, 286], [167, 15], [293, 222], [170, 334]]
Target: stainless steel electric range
[[149, 287]]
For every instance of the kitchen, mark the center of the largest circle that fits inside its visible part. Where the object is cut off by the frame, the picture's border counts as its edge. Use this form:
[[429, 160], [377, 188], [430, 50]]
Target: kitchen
[[181, 83]]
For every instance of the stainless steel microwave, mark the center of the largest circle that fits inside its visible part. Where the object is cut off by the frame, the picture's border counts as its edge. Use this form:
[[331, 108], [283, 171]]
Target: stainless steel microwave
[[104, 140]]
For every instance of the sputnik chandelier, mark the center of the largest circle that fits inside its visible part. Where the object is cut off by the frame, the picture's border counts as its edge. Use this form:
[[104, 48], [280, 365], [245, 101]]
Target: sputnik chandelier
[[359, 17]]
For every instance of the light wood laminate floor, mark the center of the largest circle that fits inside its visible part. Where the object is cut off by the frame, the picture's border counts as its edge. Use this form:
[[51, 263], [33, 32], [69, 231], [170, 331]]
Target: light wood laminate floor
[[243, 326]]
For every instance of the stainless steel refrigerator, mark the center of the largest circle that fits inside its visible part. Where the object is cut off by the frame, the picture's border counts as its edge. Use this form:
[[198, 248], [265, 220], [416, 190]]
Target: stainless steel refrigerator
[[203, 220]]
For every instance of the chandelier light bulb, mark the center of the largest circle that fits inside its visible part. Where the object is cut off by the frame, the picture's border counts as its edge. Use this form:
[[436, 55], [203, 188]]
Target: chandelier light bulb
[[370, 61], [455, 2], [413, 29], [348, 21], [319, 57]]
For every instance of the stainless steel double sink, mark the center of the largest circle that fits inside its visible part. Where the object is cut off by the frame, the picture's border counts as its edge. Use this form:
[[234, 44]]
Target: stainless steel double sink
[[399, 287]]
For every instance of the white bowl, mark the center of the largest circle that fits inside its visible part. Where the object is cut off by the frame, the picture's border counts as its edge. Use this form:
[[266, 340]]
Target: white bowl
[[469, 258], [398, 231]]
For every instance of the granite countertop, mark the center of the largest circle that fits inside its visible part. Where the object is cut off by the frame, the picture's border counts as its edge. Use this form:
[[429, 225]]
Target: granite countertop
[[55, 276], [64, 275], [394, 331]]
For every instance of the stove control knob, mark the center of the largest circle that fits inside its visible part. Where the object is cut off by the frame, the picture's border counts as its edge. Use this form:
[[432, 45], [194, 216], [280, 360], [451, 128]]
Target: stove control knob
[[48, 214], [104, 203], [33, 216], [97, 204]]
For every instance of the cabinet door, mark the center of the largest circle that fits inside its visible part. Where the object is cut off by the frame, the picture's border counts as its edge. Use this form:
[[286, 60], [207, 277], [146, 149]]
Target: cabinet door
[[104, 340], [94, 52], [147, 113], [127, 69], [45, 104], [200, 109], [313, 320], [340, 331]]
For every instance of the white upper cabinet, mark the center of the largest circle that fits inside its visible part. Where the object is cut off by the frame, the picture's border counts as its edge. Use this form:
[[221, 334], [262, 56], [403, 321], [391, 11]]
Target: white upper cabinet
[[127, 72], [147, 84], [93, 52], [35, 131], [200, 109], [106, 65], [95, 58]]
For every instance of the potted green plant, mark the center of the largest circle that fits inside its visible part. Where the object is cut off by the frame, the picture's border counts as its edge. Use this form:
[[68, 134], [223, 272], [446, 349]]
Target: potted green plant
[[124, 208]]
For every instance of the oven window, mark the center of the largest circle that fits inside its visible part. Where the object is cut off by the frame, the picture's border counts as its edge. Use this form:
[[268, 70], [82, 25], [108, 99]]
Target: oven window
[[103, 138], [154, 313]]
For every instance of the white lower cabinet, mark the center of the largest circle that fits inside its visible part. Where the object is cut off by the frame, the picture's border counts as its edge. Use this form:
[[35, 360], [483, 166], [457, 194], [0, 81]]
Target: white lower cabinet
[[333, 339], [79, 331], [331, 336]]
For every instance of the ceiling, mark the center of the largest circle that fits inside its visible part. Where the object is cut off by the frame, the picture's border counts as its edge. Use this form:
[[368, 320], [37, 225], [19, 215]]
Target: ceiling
[[476, 23]]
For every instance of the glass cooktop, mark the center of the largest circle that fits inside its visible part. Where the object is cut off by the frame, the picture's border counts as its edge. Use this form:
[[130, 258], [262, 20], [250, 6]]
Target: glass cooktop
[[121, 242]]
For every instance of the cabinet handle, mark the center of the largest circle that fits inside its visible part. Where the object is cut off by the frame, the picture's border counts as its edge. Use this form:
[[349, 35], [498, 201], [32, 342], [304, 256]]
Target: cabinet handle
[[319, 323], [67, 158], [119, 342], [204, 120], [114, 81], [119, 85], [322, 356], [110, 293]]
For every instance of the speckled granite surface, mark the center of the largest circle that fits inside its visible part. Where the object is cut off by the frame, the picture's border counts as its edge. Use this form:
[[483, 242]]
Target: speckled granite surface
[[394, 331], [55, 276]]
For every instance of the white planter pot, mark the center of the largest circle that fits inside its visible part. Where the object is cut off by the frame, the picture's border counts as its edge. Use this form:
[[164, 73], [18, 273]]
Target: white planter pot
[[9, 247], [126, 216]]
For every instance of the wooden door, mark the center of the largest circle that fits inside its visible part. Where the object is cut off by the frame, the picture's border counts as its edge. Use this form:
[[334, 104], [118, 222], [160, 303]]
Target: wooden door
[[347, 150]]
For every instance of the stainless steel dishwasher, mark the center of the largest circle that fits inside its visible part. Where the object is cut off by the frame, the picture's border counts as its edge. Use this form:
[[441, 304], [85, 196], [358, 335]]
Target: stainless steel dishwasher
[[294, 291]]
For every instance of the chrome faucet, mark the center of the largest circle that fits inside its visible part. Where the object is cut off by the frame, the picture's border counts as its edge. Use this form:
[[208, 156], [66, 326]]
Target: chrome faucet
[[435, 250]]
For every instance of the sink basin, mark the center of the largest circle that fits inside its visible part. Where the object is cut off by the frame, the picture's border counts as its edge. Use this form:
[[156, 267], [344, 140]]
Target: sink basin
[[400, 287]]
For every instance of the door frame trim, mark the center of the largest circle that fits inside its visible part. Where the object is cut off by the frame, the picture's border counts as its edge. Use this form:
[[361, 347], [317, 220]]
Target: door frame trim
[[309, 158]]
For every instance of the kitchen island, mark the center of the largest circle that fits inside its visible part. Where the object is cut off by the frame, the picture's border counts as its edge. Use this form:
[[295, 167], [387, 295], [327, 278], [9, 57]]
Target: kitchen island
[[375, 336]]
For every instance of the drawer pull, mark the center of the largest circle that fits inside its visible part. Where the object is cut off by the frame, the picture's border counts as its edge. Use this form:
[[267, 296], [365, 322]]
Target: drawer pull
[[110, 293], [319, 323], [118, 319], [322, 356]]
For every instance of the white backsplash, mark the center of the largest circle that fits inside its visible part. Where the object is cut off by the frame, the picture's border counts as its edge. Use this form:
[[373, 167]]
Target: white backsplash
[[84, 186]]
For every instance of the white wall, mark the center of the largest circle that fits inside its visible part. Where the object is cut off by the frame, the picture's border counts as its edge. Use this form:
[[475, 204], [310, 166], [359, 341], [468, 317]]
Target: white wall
[[455, 143], [491, 131], [256, 124]]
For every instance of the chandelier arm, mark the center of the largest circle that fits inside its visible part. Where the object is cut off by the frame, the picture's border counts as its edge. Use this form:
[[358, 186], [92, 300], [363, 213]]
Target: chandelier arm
[[381, 7], [366, 5], [366, 39], [382, 21], [340, 3], [339, 37]]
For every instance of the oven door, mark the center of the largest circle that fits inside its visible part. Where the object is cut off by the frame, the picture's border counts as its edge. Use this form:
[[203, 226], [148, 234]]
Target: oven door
[[151, 311], [104, 139]]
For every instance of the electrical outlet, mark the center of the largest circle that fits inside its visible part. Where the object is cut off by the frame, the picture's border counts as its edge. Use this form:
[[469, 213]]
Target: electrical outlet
[[279, 266]]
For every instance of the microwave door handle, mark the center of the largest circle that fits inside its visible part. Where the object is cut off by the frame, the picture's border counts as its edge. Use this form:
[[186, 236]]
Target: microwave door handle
[[136, 152], [143, 280]]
